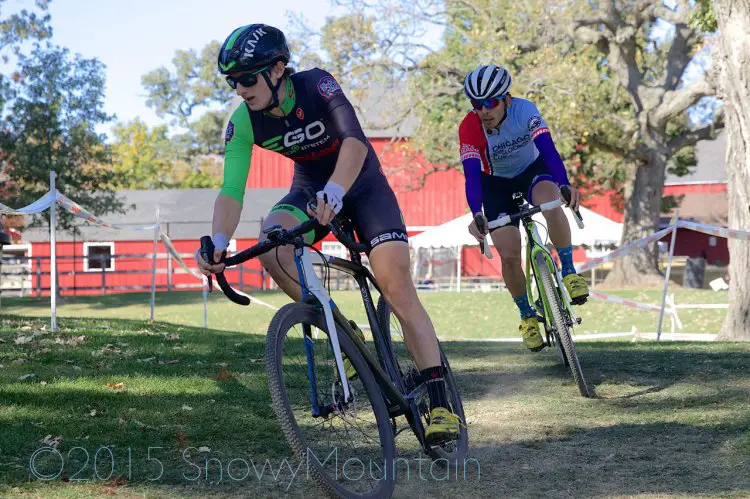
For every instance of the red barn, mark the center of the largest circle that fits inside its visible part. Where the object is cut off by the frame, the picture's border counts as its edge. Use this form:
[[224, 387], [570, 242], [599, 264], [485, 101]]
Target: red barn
[[102, 259], [702, 196]]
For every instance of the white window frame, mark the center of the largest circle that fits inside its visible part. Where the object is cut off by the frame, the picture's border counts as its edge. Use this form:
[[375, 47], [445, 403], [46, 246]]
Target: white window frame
[[335, 248], [86, 246], [23, 246]]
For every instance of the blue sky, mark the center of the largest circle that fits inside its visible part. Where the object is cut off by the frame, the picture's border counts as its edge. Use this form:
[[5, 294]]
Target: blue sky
[[132, 37]]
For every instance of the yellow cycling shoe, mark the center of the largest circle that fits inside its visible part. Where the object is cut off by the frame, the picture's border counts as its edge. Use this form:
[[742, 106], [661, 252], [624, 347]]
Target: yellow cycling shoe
[[444, 426], [349, 369], [577, 288], [532, 338]]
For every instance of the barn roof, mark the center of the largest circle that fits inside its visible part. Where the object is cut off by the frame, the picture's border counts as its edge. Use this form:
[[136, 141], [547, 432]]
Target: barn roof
[[184, 214], [711, 164]]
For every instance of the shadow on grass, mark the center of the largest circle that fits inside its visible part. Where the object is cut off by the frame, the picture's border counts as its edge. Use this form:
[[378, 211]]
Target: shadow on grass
[[651, 366], [611, 459], [616, 460]]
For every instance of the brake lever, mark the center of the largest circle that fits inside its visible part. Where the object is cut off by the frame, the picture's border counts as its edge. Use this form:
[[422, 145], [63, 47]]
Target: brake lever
[[207, 253], [483, 246]]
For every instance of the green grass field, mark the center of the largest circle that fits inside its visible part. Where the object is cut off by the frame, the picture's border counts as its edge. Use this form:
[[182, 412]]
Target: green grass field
[[455, 315], [671, 420]]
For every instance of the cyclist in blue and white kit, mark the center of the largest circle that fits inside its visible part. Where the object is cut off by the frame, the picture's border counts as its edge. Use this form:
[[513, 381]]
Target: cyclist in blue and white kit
[[506, 147]]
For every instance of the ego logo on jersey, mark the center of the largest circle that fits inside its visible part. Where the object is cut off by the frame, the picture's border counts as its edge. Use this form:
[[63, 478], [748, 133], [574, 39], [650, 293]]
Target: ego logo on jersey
[[310, 132]]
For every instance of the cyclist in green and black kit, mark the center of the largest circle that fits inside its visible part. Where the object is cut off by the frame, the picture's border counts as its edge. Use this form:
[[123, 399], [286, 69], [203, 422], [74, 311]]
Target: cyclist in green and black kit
[[305, 116]]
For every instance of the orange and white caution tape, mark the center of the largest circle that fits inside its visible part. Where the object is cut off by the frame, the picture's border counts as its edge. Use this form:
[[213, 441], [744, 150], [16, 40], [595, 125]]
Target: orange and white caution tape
[[625, 250], [714, 230], [76, 210], [627, 303], [38, 206]]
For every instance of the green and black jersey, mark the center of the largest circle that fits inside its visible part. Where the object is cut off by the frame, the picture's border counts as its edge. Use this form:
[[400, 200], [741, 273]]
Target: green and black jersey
[[318, 117]]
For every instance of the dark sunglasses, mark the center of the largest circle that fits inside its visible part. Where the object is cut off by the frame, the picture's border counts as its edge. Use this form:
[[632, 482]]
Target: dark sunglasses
[[246, 79], [490, 103]]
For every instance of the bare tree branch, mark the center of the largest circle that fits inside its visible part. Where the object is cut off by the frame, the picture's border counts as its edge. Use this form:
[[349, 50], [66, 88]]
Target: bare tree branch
[[705, 133], [680, 55], [675, 102]]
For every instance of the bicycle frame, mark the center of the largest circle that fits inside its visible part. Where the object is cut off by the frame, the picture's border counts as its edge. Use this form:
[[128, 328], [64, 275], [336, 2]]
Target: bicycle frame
[[534, 246], [314, 291]]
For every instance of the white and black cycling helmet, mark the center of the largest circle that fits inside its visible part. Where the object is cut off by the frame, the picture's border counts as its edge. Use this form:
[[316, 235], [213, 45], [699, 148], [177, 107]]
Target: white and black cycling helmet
[[486, 82]]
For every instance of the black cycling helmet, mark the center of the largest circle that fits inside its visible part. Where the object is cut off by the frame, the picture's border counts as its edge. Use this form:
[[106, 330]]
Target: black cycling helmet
[[252, 47]]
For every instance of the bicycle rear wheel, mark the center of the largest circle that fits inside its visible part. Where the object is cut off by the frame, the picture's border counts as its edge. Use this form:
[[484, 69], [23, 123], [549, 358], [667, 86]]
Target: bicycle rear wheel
[[561, 327], [348, 446], [454, 451]]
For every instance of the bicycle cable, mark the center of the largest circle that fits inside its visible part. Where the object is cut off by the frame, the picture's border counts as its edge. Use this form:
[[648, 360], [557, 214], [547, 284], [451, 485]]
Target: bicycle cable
[[326, 267], [284, 270]]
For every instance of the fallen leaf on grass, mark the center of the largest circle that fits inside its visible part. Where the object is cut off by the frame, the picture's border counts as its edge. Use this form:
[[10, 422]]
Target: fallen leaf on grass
[[22, 340], [42, 383], [52, 442], [76, 368], [187, 408], [2, 340], [72, 341], [122, 421], [204, 449], [174, 336], [92, 412], [24, 377], [149, 359], [223, 375], [26, 328], [182, 440], [20, 361], [116, 386], [117, 481]]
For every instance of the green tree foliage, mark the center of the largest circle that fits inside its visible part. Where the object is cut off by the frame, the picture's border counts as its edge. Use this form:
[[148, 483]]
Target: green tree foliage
[[607, 76], [49, 124], [141, 157], [185, 93], [146, 158]]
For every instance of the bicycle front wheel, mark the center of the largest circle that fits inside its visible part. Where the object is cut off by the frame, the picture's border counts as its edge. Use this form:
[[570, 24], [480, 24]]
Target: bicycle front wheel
[[347, 445], [561, 327]]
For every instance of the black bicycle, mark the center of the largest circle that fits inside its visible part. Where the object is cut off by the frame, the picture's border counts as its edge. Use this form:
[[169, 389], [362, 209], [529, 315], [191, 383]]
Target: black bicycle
[[336, 401]]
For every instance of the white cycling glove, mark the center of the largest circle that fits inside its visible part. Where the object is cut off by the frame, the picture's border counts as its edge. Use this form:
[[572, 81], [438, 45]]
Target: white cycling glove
[[220, 241], [333, 195]]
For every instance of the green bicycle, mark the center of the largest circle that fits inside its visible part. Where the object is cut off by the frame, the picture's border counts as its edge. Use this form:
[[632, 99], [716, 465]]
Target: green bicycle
[[550, 298]]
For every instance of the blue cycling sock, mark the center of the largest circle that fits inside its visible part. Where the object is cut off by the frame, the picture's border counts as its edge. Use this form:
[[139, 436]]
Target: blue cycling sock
[[522, 302], [566, 260]]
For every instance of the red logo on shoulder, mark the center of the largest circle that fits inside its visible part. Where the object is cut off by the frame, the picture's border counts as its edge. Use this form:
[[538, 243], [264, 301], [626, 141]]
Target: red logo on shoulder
[[300, 113]]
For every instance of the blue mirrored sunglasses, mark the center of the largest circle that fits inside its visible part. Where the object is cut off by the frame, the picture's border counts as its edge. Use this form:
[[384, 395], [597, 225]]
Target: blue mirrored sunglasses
[[490, 103]]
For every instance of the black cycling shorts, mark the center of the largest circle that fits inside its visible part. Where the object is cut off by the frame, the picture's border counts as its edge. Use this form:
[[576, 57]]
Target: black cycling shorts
[[370, 204], [497, 192]]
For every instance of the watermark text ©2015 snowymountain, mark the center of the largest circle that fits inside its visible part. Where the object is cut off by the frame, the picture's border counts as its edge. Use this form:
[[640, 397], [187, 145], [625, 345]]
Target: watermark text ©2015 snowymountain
[[198, 464]]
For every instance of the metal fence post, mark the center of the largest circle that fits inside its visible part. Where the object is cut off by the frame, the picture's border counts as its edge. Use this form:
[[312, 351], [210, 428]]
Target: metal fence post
[[39, 276], [169, 273], [104, 275], [667, 272]]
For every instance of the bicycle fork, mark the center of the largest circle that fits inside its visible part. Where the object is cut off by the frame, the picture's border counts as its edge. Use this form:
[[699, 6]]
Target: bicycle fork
[[311, 285]]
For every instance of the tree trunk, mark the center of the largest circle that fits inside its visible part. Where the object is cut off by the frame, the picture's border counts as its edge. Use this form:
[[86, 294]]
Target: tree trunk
[[734, 18], [642, 210]]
